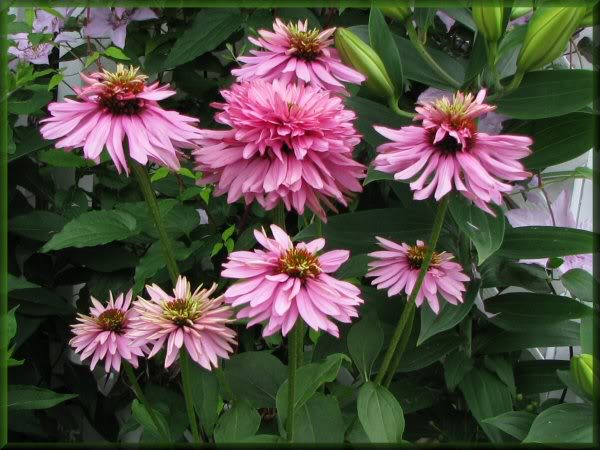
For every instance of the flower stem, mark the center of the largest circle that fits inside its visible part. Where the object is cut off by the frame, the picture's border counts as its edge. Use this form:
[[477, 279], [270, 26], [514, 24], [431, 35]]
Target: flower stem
[[515, 82], [412, 34], [293, 357], [187, 392], [394, 106], [142, 398], [404, 323], [148, 192], [279, 216]]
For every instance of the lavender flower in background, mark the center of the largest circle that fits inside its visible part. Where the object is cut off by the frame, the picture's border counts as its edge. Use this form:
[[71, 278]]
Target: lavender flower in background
[[535, 212], [25, 51], [112, 22], [46, 22]]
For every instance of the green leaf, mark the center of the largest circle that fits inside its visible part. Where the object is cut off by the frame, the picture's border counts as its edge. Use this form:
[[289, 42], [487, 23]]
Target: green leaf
[[567, 423], [141, 416], [497, 271], [60, 158], [308, 380], [485, 231], [255, 377], [356, 231], [228, 232], [456, 366], [11, 323], [159, 174], [449, 315], [539, 376], [587, 335], [413, 395], [380, 414], [205, 395], [486, 397], [355, 267], [93, 228], [29, 99], [430, 352], [239, 422], [515, 423], [545, 242], [568, 382], [520, 311], [319, 421], [19, 283], [580, 284], [556, 140], [208, 30], [55, 80], [375, 175], [503, 369], [37, 225], [548, 93], [365, 341], [22, 397], [40, 302], [115, 53], [382, 42]]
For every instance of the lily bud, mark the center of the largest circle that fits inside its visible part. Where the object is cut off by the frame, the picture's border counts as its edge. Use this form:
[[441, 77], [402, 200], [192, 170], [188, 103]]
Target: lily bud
[[399, 13], [583, 373], [588, 19], [489, 19], [356, 53], [548, 33]]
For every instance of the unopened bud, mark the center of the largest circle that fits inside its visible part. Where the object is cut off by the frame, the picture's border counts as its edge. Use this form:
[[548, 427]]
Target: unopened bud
[[399, 13], [583, 373], [489, 19], [356, 53], [548, 33]]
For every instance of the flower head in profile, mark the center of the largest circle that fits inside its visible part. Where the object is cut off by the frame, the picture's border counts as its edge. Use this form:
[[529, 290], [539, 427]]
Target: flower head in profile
[[447, 152], [286, 143], [293, 53], [104, 334], [396, 268], [112, 22], [284, 281], [120, 104], [537, 212], [186, 319]]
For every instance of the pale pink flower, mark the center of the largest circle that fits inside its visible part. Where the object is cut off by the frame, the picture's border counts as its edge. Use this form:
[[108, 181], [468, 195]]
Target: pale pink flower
[[46, 22], [290, 143], [112, 22], [25, 51], [104, 334], [295, 54], [187, 319], [536, 212], [447, 152], [118, 105], [285, 281], [396, 268]]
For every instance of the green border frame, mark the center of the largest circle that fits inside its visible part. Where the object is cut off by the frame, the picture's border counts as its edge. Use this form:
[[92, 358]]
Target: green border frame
[[244, 4]]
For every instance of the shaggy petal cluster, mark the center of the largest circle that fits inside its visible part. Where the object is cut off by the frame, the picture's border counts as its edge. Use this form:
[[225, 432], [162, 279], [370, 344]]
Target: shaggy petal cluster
[[294, 54], [186, 319], [286, 281], [447, 152], [290, 143], [396, 268], [104, 334], [112, 22], [119, 105], [536, 212]]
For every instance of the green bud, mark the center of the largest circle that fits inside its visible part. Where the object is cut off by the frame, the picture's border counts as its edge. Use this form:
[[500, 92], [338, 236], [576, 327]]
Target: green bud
[[489, 19], [588, 19], [583, 373], [356, 53], [519, 397], [548, 33], [399, 13]]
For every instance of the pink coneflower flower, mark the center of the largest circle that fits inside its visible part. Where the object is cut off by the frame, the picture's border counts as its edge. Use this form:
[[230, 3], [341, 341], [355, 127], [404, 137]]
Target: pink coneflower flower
[[447, 152], [397, 267], [104, 334], [187, 319], [293, 53], [537, 212], [112, 22], [289, 143], [285, 281], [118, 105]]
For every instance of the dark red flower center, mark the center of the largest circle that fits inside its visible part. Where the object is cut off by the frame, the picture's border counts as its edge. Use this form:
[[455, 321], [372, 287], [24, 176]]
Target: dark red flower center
[[121, 89], [112, 320], [448, 145], [300, 263]]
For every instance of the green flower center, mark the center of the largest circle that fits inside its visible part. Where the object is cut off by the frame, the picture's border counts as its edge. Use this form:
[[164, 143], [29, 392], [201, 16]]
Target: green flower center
[[182, 311]]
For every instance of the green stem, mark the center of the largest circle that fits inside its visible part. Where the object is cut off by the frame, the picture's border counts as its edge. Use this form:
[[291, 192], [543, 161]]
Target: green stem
[[515, 82], [405, 324], [492, 51], [394, 106], [279, 216], [143, 180], [412, 34], [300, 343], [292, 366], [187, 393], [402, 324], [142, 398]]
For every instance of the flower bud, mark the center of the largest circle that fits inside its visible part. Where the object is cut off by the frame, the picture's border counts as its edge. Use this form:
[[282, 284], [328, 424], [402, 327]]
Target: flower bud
[[583, 373], [519, 11], [547, 35], [588, 20], [356, 53], [399, 13], [489, 19]]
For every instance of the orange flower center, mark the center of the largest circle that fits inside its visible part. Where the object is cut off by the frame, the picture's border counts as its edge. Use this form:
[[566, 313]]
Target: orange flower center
[[306, 43], [112, 320], [121, 89], [416, 255], [300, 263]]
